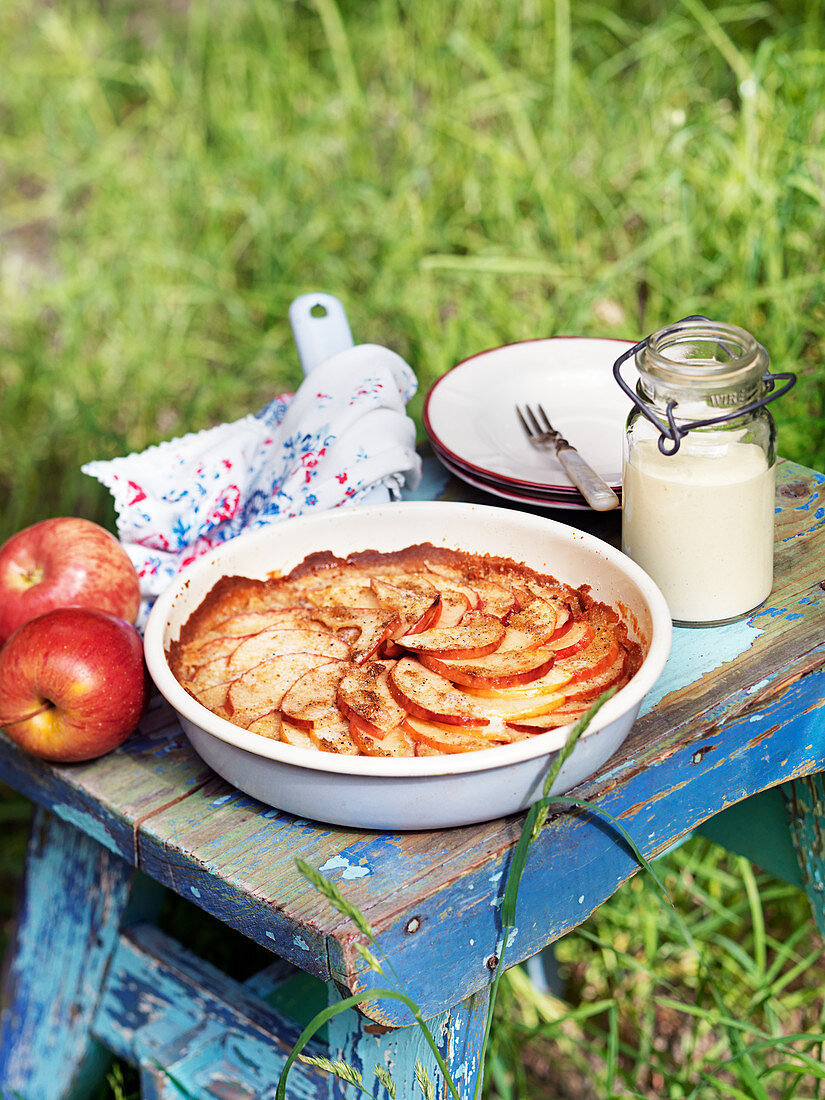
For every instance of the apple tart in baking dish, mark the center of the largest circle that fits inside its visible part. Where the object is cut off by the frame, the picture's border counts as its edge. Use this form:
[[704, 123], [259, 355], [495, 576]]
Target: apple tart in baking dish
[[417, 652]]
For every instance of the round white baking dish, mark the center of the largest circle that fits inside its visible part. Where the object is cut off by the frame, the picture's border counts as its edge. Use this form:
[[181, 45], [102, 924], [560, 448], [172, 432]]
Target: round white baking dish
[[420, 792]]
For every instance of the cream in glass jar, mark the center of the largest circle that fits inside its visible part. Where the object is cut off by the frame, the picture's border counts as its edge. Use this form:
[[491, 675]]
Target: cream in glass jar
[[698, 475]]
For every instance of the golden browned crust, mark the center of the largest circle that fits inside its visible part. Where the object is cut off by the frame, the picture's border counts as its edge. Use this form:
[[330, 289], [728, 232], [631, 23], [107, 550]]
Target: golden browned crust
[[376, 573]]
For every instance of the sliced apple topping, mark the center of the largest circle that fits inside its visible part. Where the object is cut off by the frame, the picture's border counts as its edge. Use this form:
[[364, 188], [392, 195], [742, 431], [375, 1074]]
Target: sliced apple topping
[[494, 598], [208, 675], [271, 643], [417, 607], [590, 687], [417, 653], [395, 742], [512, 663], [452, 583], [595, 657], [364, 695], [214, 699], [454, 606], [576, 634], [332, 734], [312, 698], [424, 694], [554, 719], [538, 618], [344, 594], [263, 687], [446, 739], [550, 683], [268, 725], [475, 636], [370, 628], [513, 706], [195, 656], [296, 736], [252, 622]]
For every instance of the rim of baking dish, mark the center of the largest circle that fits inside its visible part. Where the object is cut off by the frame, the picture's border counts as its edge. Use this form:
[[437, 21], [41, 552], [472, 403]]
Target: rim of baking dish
[[498, 756]]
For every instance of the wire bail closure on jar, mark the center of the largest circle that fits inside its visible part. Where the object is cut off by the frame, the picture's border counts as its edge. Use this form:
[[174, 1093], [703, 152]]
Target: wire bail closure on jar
[[671, 434]]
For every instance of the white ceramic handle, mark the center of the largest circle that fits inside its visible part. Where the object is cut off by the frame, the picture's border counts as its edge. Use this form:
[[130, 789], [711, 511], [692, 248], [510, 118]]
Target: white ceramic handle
[[320, 328], [594, 489]]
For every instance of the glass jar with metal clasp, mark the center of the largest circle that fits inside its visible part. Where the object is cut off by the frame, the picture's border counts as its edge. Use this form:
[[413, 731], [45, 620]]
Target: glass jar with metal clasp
[[699, 468]]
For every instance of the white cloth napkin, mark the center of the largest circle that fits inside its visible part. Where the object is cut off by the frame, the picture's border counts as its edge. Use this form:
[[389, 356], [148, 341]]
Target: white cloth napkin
[[343, 435]]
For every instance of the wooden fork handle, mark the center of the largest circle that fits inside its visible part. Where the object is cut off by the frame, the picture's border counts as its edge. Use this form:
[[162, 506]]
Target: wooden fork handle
[[594, 489]]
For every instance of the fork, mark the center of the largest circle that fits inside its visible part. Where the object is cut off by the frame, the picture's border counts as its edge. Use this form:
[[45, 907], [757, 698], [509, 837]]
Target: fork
[[545, 437]]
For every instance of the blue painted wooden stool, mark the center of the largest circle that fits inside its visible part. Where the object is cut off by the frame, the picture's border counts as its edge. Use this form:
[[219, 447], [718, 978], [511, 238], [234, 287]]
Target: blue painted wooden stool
[[737, 712]]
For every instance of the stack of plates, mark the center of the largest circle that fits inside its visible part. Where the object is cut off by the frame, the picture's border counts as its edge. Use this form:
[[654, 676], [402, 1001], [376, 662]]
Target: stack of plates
[[470, 417]]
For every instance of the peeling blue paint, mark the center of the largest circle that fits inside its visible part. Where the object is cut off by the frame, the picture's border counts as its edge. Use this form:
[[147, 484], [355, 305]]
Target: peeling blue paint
[[356, 871], [809, 530], [87, 824], [695, 652], [333, 863], [348, 869]]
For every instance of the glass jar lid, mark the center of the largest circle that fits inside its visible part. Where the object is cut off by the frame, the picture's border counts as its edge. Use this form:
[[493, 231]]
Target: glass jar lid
[[697, 356], [704, 357]]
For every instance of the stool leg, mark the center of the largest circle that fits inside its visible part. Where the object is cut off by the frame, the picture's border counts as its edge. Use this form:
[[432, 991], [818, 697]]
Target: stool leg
[[75, 894], [805, 802], [458, 1033]]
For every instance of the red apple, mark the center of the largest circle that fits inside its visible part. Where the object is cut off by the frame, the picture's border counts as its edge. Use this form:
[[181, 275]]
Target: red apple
[[72, 684], [64, 562]]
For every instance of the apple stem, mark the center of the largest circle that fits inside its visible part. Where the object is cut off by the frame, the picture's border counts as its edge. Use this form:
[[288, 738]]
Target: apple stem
[[29, 575], [25, 717]]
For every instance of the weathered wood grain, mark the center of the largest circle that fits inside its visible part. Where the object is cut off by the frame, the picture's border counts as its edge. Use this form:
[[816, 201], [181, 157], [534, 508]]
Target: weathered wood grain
[[76, 894], [191, 1028], [109, 798], [805, 801], [196, 1033]]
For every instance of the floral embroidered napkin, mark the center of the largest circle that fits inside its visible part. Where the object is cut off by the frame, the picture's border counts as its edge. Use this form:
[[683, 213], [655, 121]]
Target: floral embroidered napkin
[[344, 435]]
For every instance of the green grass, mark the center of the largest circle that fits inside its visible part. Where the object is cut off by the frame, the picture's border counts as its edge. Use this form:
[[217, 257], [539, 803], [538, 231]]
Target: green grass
[[461, 175], [696, 1001]]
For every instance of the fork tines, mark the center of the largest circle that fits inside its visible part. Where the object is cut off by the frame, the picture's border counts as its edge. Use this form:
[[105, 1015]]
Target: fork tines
[[534, 428]]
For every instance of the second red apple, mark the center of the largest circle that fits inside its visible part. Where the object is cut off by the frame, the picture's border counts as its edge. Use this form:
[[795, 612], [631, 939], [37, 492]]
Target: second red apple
[[72, 684]]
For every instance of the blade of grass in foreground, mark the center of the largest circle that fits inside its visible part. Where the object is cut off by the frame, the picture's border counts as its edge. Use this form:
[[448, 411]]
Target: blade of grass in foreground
[[535, 819], [347, 1003]]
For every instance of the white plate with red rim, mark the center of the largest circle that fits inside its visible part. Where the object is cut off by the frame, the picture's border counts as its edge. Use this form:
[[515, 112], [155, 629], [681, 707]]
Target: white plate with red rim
[[572, 501], [412, 793], [469, 413]]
